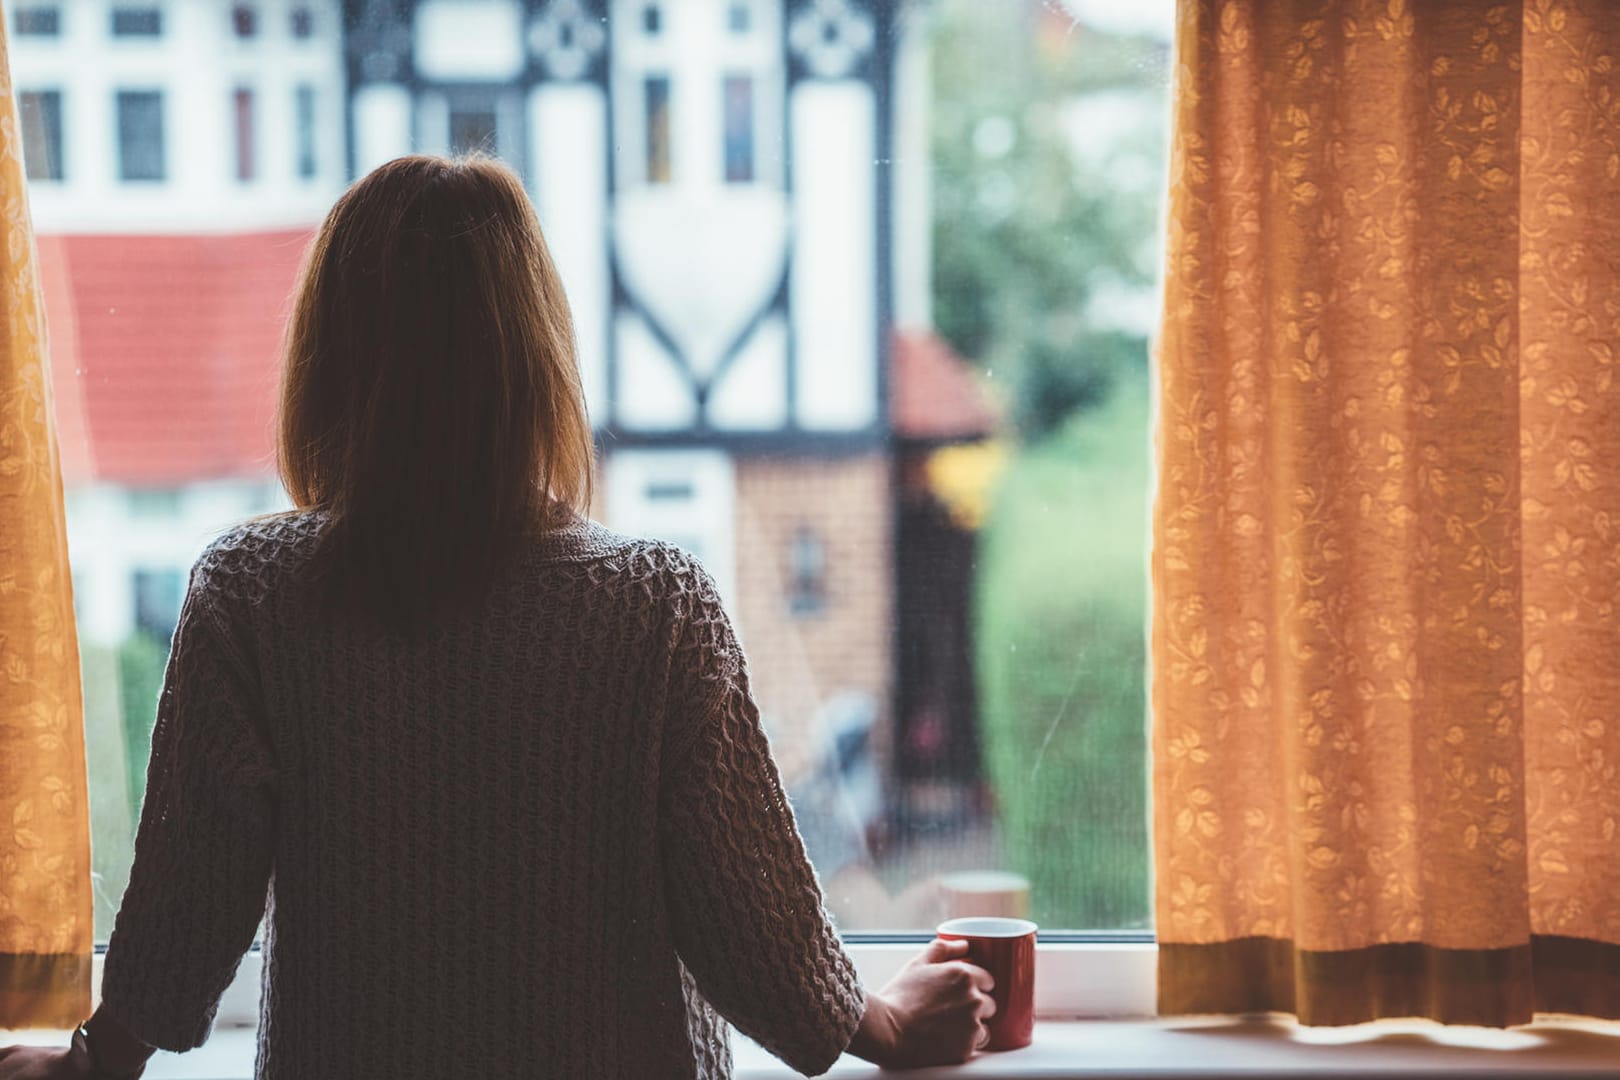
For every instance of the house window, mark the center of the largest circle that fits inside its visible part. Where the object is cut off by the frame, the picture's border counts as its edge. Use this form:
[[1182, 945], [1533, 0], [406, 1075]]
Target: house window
[[158, 596], [739, 138], [303, 22], [304, 119], [245, 20], [656, 113], [242, 111], [137, 22], [652, 20], [739, 18], [472, 127], [41, 114], [807, 572], [38, 21], [140, 135]]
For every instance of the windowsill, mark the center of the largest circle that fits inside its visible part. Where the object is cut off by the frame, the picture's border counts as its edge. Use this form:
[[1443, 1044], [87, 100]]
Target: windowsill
[[1150, 1050]]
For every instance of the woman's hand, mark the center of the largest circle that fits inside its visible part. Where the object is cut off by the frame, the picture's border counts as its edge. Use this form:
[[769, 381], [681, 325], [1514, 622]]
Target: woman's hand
[[36, 1063], [931, 1013]]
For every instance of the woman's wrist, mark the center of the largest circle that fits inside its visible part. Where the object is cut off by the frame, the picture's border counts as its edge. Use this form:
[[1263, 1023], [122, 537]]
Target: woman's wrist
[[117, 1052], [878, 1034]]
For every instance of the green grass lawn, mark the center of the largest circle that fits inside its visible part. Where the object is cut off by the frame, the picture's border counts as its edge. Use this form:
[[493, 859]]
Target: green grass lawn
[[1063, 660]]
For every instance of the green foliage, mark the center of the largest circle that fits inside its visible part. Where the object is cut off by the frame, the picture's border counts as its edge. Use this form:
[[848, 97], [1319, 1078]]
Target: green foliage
[[1062, 661], [141, 660], [1024, 233]]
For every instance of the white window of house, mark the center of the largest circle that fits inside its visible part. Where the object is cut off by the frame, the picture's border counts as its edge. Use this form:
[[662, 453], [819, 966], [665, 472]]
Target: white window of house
[[137, 21], [243, 108], [41, 114], [304, 120], [37, 20], [141, 143]]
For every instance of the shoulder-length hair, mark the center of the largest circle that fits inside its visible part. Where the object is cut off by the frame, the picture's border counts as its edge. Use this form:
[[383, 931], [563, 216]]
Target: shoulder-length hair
[[430, 403]]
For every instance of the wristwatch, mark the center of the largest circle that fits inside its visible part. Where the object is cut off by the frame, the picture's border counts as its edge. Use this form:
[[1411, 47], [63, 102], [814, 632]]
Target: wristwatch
[[83, 1055]]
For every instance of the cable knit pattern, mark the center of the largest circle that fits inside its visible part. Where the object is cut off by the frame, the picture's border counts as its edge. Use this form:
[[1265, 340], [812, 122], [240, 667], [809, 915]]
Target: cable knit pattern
[[537, 842]]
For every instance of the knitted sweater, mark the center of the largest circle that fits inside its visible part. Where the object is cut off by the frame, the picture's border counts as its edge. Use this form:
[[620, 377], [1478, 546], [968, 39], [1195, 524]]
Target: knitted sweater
[[546, 839]]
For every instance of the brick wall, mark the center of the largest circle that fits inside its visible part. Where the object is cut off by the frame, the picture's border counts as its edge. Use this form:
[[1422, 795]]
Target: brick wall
[[799, 660]]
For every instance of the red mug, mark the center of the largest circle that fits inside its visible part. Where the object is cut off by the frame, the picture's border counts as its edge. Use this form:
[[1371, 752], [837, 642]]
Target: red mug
[[1006, 949]]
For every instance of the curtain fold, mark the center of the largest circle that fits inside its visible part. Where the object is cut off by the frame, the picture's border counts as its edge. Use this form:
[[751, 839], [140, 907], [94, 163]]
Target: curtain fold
[[1386, 668], [46, 930]]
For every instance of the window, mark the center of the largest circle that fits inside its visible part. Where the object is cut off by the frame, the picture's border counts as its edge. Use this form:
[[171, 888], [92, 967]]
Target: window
[[140, 135], [739, 106], [245, 20], [137, 22], [242, 111], [158, 596], [304, 119], [43, 20], [807, 572], [862, 319], [472, 127], [656, 118], [41, 114]]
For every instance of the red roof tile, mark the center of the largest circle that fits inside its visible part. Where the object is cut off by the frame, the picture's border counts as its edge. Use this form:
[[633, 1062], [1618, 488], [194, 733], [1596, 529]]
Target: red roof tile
[[165, 351], [936, 395]]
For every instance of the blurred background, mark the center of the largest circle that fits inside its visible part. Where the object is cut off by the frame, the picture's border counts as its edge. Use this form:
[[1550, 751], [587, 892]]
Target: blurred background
[[863, 292]]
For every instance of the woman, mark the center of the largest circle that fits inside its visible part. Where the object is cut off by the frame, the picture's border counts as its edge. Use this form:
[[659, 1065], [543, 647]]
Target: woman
[[501, 765]]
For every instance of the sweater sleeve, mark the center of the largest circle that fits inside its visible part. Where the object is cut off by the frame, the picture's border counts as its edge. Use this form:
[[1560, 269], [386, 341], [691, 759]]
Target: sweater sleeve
[[745, 906], [204, 847]]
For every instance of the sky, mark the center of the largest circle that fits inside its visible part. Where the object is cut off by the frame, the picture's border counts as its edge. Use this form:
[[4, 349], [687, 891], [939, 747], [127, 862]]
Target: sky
[[1157, 17]]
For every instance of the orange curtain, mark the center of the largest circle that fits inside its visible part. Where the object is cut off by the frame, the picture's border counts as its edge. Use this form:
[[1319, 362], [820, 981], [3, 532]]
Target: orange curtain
[[45, 896], [1386, 656]]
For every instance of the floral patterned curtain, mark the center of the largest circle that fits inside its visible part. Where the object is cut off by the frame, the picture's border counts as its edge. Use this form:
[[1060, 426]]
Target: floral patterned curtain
[[1386, 657], [45, 896]]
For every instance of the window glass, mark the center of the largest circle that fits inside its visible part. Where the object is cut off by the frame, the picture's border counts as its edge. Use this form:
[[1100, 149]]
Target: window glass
[[304, 118], [39, 20], [41, 114], [242, 111], [739, 106], [245, 20], [657, 122], [137, 22], [140, 135], [862, 292]]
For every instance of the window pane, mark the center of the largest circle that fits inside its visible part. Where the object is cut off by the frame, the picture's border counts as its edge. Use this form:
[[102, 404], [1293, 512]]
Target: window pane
[[876, 353], [739, 93], [472, 127], [41, 114], [140, 135], [242, 103], [44, 20], [657, 121], [304, 110], [137, 22]]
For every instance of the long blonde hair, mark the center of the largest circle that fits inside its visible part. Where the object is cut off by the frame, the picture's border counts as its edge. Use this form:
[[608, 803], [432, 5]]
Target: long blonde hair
[[430, 402]]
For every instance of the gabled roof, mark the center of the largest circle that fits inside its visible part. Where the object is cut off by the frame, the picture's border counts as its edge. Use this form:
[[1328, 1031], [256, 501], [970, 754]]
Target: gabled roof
[[936, 395], [165, 351]]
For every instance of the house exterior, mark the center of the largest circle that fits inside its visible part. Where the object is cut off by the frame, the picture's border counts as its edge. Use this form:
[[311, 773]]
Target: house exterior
[[731, 188]]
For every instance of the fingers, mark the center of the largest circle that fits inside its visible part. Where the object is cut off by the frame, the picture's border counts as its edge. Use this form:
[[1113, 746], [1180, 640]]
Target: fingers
[[987, 1007], [940, 950], [982, 979]]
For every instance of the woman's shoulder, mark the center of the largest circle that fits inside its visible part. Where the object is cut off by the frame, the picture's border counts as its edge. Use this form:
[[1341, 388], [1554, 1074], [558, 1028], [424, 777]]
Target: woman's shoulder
[[245, 559], [656, 569]]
